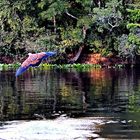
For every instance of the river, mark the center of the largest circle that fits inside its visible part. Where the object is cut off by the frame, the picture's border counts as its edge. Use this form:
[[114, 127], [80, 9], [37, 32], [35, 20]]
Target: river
[[70, 104]]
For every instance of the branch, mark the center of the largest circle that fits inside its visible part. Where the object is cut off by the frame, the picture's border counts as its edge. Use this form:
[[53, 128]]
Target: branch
[[116, 22], [76, 56], [71, 15]]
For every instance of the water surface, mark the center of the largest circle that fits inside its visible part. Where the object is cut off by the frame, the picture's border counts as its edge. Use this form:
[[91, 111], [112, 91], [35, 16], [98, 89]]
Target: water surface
[[70, 104]]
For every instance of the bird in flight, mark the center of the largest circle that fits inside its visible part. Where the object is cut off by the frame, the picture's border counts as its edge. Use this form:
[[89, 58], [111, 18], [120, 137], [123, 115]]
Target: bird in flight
[[33, 60]]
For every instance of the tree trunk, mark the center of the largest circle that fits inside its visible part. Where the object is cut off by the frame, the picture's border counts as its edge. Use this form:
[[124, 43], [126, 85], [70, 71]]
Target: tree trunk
[[54, 24], [75, 58]]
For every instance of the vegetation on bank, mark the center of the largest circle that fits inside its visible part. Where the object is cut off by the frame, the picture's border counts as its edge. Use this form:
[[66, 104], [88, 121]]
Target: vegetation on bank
[[105, 27], [81, 67]]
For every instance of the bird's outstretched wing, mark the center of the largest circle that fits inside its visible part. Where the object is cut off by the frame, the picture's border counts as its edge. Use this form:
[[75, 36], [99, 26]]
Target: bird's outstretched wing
[[33, 60]]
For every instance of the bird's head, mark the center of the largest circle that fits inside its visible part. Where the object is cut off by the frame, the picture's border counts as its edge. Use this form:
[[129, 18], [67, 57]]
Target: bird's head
[[29, 54], [50, 53]]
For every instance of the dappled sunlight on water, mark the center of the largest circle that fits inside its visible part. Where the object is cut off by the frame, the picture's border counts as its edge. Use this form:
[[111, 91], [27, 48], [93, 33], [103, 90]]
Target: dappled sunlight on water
[[62, 128]]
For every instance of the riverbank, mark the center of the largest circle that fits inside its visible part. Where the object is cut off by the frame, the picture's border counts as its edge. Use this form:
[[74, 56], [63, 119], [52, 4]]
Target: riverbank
[[94, 59], [77, 66]]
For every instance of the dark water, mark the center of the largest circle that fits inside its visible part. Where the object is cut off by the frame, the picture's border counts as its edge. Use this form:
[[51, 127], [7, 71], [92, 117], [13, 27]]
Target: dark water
[[90, 104]]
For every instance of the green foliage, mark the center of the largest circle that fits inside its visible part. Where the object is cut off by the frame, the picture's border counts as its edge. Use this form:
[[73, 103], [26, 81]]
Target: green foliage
[[125, 49], [29, 24], [57, 25], [49, 9], [134, 29], [46, 42], [5, 67], [74, 34], [134, 15], [129, 45], [85, 21], [134, 39], [99, 48], [133, 25]]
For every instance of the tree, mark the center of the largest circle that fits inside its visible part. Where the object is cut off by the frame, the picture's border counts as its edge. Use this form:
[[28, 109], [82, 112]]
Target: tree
[[129, 44], [66, 26]]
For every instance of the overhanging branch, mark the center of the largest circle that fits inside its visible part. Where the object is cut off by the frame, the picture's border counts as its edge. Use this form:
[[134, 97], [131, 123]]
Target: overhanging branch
[[71, 15]]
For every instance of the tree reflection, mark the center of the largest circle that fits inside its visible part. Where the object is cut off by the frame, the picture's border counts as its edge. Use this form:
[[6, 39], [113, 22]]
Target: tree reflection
[[70, 91]]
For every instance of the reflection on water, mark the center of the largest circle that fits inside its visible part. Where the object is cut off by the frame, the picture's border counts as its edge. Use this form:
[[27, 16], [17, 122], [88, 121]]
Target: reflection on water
[[89, 94]]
